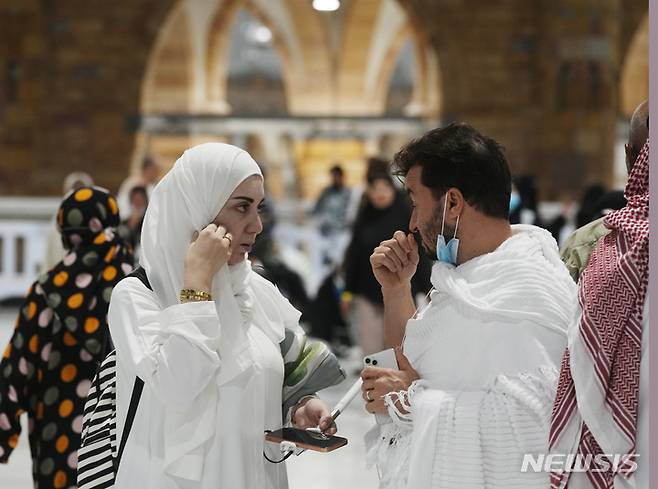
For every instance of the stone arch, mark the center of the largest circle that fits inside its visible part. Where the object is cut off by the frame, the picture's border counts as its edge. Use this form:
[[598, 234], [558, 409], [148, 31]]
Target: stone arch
[[255, 81], [425, 99], [312, 62], [168, 76], [634, 83], [186, 68], [387, 68], [271, 14], [375, 33]]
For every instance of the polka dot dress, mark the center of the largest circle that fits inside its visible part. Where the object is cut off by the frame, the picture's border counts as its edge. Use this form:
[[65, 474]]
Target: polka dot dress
[[61, 335]]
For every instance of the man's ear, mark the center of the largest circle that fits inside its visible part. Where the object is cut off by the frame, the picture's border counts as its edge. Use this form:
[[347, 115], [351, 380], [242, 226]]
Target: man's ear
[[456, 202]]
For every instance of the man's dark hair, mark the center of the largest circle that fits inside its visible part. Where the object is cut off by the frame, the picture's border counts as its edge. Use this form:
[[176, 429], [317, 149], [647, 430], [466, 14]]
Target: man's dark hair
[[336, 170], [459, 156]]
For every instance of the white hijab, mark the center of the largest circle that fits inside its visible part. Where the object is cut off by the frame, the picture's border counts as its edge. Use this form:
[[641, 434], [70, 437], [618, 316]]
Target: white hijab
[[186, 200]]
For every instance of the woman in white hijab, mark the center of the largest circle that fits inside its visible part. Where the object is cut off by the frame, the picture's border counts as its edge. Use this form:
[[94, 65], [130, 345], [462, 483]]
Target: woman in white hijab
[[211, 338]]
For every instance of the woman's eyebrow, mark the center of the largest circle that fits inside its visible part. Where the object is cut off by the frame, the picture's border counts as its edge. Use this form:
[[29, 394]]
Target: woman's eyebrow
[[247, 199]]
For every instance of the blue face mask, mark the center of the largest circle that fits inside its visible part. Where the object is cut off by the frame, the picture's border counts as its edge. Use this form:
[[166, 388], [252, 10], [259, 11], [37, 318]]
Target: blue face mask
[[447, 252], [514, 201]]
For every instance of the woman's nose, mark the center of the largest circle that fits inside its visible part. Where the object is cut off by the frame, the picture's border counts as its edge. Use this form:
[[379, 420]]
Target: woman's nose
[[256, 226]]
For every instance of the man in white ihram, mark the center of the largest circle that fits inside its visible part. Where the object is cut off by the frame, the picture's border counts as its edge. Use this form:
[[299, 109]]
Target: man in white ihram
[[477, 377]]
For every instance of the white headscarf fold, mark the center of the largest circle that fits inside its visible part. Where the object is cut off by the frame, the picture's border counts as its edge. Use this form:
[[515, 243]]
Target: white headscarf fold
[[186, 200]]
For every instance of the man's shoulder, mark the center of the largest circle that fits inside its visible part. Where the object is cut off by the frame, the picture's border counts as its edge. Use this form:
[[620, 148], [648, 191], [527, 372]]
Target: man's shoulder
[[586, 235], [578, 247]]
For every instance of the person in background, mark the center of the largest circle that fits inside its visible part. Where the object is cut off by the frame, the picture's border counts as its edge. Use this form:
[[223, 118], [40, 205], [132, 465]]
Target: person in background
[[577, 248], [54, 247], [525, 205], [267, 262], [61, 336], [588, 209], [602, 401], [133, 223], [148, 176], [331, 211], [384, 211], [327, 315]]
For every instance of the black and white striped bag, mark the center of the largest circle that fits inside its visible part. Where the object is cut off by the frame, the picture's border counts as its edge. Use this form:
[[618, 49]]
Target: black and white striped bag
[[98, 456]]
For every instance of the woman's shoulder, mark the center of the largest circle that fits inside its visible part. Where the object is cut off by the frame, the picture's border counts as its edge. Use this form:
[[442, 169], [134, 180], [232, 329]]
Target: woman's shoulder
[[130, 286]]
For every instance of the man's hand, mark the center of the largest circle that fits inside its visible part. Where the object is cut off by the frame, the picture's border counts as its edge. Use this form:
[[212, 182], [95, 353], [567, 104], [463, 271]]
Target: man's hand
[[377, 382], [314, 413], [395, 260]]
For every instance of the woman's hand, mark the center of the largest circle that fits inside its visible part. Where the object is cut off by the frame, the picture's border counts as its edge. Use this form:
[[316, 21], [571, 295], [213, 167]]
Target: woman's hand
[[311, 413], [209, 251]]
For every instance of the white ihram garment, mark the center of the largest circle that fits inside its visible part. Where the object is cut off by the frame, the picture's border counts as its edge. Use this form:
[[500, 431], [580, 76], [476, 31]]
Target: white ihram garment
[[213, 371], [487, 349]]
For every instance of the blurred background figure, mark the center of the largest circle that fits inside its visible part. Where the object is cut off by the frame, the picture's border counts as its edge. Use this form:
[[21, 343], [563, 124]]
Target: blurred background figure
[[54, 247], [589, 209], [132, 225], [148, 176], [384, 211], [524, 198], [61, 336], [331, 212], [579, 246], [328, 316], [267, 260]]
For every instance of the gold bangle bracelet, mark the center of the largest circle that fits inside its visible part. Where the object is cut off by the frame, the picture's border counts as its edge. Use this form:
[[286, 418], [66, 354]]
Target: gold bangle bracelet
[[191, 295]]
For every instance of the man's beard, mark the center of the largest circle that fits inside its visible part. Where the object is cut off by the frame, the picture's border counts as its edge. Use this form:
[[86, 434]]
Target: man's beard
[[429, 232]]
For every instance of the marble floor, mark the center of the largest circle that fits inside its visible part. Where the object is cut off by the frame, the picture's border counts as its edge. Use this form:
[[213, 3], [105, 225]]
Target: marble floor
[[343, 468]]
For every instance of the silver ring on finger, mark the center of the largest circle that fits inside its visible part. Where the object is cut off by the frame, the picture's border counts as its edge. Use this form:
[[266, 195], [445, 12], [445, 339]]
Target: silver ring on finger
[[229, 237], [368, 396]]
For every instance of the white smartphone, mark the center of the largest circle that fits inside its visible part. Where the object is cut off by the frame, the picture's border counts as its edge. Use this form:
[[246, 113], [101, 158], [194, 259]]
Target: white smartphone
[[382, 359]]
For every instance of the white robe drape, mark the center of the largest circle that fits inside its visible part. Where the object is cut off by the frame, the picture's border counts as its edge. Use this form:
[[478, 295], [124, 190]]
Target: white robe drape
[[487, 349]]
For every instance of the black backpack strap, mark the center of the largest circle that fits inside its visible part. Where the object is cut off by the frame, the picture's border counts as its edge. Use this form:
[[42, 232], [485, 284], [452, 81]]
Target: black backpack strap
[[139, 273], [130, 417]]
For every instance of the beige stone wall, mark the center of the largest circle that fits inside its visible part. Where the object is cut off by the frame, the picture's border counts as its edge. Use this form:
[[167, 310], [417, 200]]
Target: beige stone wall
[[81, 66], [319, 155], [635, 71], [541, 77]]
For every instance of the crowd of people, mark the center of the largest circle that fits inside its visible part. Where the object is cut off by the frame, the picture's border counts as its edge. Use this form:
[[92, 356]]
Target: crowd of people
[[506, 345]]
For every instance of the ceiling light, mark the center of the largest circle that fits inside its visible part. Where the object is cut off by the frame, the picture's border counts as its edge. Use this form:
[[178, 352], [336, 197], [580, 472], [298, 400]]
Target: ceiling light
[[261, 34], [326, 5]]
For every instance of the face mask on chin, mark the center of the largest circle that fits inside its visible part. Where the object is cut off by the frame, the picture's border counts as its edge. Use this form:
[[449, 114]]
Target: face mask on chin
[[447, 252]]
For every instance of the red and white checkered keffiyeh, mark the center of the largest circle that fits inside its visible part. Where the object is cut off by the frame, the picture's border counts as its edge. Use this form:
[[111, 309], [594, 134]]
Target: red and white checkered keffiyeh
[[601, 367]]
